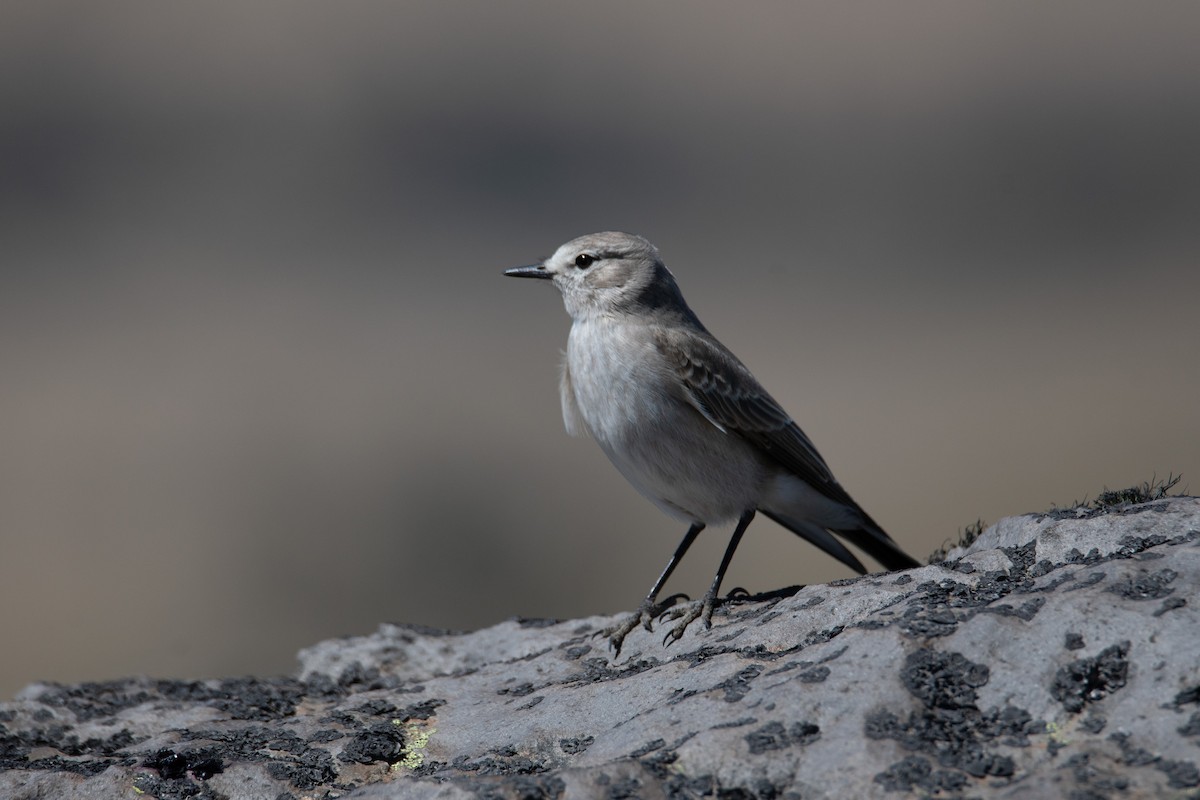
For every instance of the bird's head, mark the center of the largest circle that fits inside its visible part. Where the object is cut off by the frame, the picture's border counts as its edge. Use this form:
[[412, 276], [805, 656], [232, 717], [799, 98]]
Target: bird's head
[[608, 273]]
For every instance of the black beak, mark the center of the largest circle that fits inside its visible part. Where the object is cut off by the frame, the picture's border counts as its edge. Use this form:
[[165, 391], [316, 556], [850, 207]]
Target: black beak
[[532, 271]]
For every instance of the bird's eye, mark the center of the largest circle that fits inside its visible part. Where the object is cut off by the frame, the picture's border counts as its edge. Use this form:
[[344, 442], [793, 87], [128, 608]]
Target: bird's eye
[[583, 260]]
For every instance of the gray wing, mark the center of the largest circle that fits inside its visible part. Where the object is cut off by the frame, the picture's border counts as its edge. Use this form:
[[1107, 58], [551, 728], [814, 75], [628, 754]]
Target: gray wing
[[728, 395], [720, 387]]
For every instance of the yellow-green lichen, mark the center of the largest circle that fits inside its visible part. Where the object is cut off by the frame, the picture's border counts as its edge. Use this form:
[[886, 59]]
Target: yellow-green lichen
[[1056, 733], [416, 739]]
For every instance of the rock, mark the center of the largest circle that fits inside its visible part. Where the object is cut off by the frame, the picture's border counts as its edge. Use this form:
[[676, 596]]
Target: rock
[[1056, 656]]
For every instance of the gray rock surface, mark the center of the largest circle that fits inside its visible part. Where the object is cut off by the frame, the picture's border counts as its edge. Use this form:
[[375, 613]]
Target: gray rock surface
[[1057, 656]]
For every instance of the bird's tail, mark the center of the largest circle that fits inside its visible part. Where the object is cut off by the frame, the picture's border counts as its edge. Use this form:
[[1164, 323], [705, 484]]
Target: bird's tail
[[866, 536]]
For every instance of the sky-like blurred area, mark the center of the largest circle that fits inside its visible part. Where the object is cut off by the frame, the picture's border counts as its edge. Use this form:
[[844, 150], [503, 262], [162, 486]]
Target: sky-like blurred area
[[262, 381]]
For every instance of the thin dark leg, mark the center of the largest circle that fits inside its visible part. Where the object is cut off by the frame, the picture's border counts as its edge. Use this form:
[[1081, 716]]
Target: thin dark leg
[[649, 608], [688, 538], [704, 609], [734, 541]]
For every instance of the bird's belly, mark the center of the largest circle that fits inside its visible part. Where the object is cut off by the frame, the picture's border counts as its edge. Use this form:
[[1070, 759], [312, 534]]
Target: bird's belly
[[662, 445], [686, 478]]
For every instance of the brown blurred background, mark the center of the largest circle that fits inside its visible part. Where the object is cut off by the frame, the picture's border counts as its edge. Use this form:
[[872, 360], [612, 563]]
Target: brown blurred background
[[263, 382]]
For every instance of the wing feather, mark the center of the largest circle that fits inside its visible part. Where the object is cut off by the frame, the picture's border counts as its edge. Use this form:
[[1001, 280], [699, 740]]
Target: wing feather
[[722, 389]]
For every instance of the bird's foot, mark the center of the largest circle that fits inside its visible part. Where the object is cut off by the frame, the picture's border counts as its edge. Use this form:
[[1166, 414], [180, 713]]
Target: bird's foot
[[700, 610], [647, 613]]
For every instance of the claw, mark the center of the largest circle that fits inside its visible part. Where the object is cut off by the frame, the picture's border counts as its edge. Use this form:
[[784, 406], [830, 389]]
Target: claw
[[694, 611], [667, 606], [617, 633], [645, 616], [701, 610]]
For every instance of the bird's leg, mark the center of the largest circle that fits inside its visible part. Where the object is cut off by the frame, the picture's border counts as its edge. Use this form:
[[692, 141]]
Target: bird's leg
[[704, 609], [651, 607]]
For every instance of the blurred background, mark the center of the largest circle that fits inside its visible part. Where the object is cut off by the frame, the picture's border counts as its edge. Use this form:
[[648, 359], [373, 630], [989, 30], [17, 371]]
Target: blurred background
[[262, 381]]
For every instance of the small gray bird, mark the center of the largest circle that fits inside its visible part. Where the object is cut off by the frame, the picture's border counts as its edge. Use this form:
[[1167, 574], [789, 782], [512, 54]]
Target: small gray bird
[[684, 420]]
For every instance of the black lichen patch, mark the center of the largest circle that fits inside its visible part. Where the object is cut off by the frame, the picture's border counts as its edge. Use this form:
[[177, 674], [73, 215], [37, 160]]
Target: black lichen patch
[[1132, 756], [205, 768], [648, 747], [295, 759], [658, 777], [1021, 557], [1153, 586], [89, 701], [202, 764], [949, 726], [811, 671], [599, 670], [1192, 726], [658, 759], [815, 675], [1091, 679], [1095, 782], [245, 744], [939, 606], [737, 723], [1180, 774], [525, 787], [377, 707], [178, 773], [620, 788], [915, 772], [707, 652], [422, 710], [502, 761], [1082, 583], [775, 736], [738, 686], [354, 677], [160, 788], [88, 757], [943, 680], [1073, 641], [383, 741], [287, 756], [1187, 697], [239, 698], [1169, 604], [308, 769], [576, 652], [576, 745], [257, 699], [659, 762], [85, 767]]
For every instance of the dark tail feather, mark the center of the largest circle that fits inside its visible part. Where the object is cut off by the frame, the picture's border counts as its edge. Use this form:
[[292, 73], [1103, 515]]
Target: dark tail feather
[[821, 538], [869, 537]]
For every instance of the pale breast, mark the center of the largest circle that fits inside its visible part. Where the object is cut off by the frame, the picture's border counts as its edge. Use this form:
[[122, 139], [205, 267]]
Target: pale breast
[[633, 405]]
